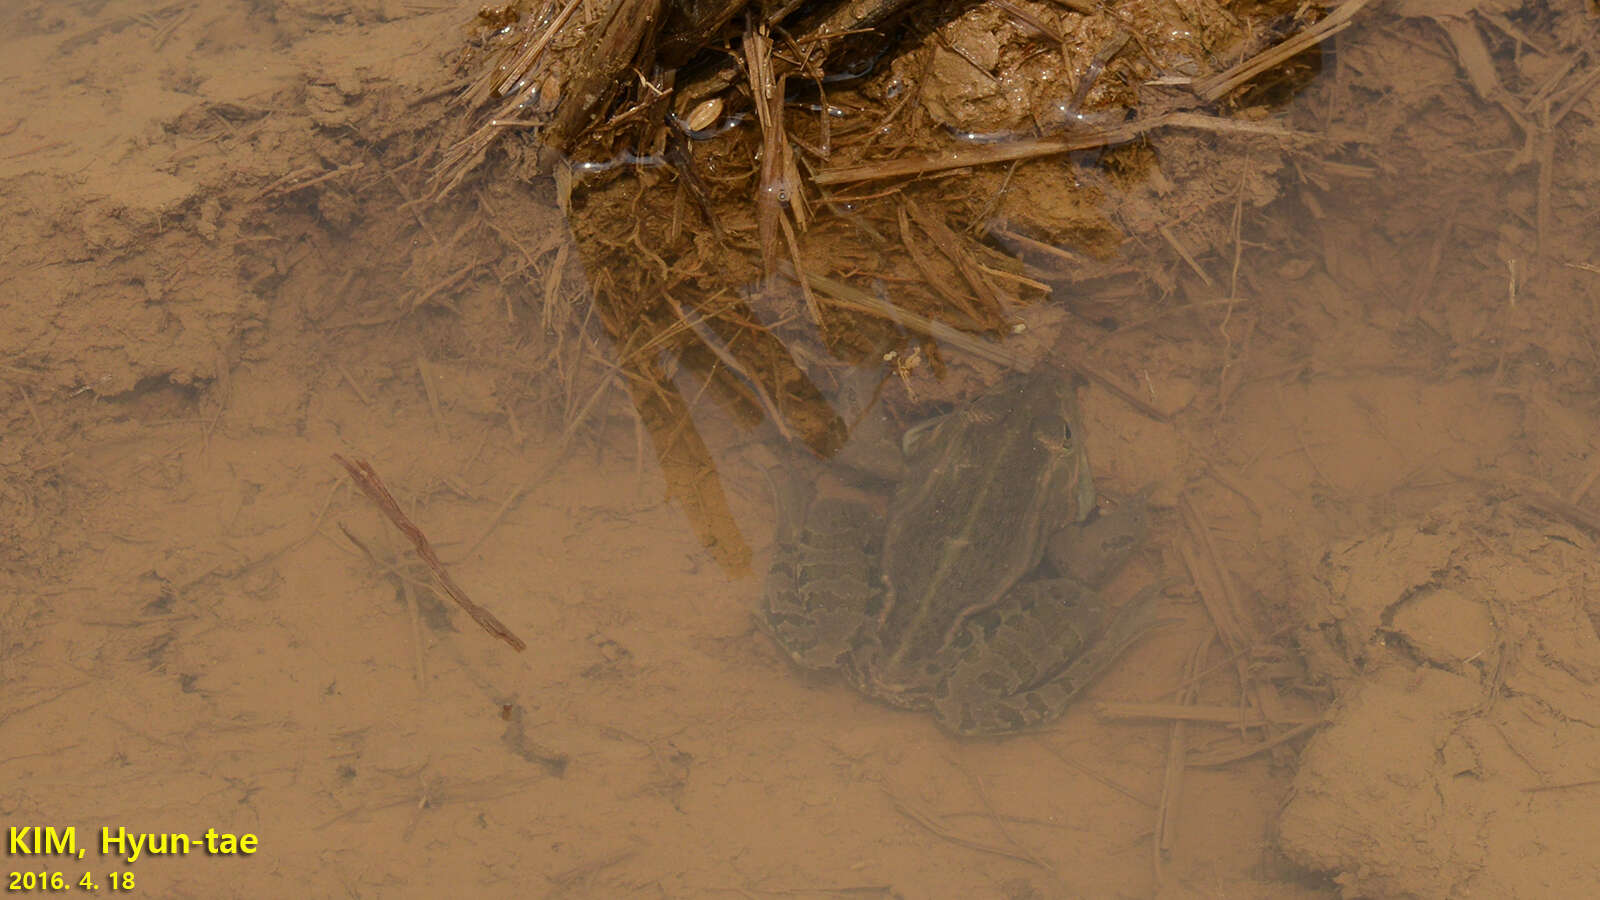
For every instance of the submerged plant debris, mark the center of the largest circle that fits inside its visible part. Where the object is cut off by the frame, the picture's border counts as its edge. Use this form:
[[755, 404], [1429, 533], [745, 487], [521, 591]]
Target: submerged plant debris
[[772, 195]]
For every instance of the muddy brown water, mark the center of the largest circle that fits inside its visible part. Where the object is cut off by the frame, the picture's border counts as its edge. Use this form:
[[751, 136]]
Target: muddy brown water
[[1380, 383]]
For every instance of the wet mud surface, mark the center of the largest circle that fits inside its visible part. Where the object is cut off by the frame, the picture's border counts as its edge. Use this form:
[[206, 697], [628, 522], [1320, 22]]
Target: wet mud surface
[[1366, 360]]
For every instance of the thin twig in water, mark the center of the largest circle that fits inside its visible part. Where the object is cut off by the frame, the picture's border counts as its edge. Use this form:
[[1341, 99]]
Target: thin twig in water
[[1539, 789], [1430, 267], [1166, 836], [938, 829], [1222, 601], [852, 297], [715, 344], [1556, 506], [1213, 87], [1218, 715], [367, 479], [1172, 238], [408, 586], [1122, 789], [999, 823], [766, 95], [940, 285], [1032, 149], [1227, 755]]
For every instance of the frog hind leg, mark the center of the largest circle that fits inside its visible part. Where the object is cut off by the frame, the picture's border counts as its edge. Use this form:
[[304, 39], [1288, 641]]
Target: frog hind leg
[[1023, 663], [822, 589]]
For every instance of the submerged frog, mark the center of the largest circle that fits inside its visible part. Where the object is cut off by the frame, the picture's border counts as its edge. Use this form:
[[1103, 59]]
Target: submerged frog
[[937, 607]]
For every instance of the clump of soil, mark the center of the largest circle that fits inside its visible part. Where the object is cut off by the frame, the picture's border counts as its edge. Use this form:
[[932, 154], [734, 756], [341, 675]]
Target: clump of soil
[[1461, 756]]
